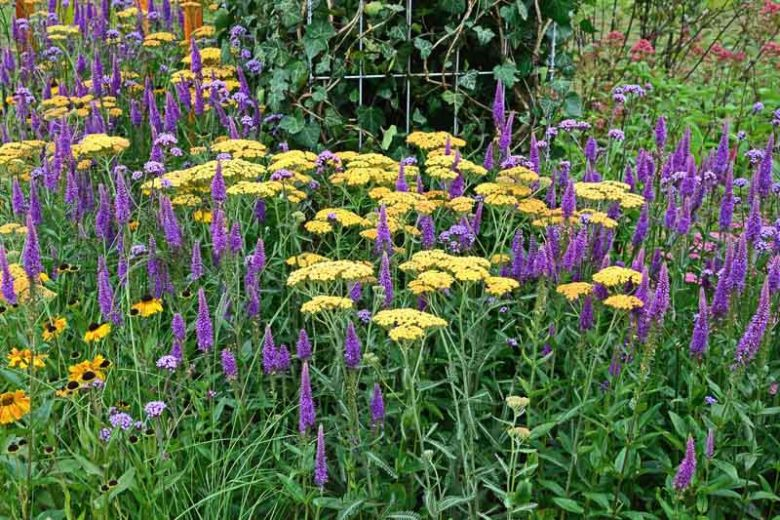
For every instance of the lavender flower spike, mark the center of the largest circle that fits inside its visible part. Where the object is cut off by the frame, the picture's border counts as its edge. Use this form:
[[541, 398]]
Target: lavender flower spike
[[8, 292], [303, 346], [320, 461], [386, 280], [352, 348], [377, 406], [687, 468], [204, 330], [31, 252], [701, 331], [306, 414]]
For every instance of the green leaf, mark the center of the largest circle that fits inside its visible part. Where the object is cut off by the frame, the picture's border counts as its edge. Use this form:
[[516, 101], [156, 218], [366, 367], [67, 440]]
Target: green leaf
[[387, 137], [679, 425], [522, 10], [484, 34], [370, 119], [424, 46], [505, 74], [315, 40], [568, 504], [572, 105]]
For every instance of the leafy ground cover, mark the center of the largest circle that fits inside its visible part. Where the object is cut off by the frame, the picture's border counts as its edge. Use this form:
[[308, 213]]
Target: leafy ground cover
[[201, 321]]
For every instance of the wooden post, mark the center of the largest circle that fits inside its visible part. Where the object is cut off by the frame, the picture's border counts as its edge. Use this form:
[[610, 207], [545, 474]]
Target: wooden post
[[193, 18]]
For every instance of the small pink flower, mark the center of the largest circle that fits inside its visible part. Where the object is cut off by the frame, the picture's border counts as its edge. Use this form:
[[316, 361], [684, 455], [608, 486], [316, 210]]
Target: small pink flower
[[691, 278]]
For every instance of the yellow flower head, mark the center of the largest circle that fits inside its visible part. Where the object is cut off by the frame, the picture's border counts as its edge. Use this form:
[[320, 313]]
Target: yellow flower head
[[96, 332], [623, 302], [148, 306], [332, 271], [53, 328], [24, 358], [326, 303], [574, 290], [13, 406], [616, 275], [500, 285]]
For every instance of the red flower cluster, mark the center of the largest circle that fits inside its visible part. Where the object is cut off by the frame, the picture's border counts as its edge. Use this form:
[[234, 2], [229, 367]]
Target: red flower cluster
[[641, 49]]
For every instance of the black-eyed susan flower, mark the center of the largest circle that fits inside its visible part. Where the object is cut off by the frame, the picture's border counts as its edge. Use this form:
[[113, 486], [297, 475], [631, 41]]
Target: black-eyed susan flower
[[83, 373], [13, 406], [148, 306], [53, 328], [24, 358], [97, 331]]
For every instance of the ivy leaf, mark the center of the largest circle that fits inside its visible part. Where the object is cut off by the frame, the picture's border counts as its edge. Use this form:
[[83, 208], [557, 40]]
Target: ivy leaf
[[309, 136], [505, 74], [572, 105], [370, 119], [484, 34], [316, 38], [468, 80], [424, 46], [522, 10], [292, 124]]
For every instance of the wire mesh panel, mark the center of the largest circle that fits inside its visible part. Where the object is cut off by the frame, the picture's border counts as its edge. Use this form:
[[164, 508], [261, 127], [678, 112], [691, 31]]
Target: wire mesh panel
[[448, 76]]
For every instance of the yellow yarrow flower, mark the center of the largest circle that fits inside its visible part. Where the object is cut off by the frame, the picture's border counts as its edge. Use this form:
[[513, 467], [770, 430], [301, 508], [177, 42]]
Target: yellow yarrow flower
[[616, 275], [574, 290], [623, 302], [500, 285], [332, 271], [326, 303]]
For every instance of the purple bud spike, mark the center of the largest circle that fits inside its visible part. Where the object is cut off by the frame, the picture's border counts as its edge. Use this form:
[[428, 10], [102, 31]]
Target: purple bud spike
[[8, 291], [569, 201], [229, 366], [687, 468], [701, 332], [306, 413], [196, 265], [386, 280], [352, 348], [218, 190], [269, 352], [320, 461], [303, 346], [377, 406], [660, 133], [31, 253], [204, 331]]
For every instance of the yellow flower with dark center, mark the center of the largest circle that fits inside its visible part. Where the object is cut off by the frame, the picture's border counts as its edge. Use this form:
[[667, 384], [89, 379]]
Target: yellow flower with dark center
[[24, 358], [574, 290], [86, 372], [13, 406], [148, 306], [53, 328], [97, 331], [623, 302]]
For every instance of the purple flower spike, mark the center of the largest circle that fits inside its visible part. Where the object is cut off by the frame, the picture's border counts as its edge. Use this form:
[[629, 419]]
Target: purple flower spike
[[31, 252], [701, 332], [269, 352], [384, 240], [8, 292], [352, 348], [377, 406], [218, 189], [386, 280], [687, 468], [204, 330], [229, 367], [306, 413], [320, 461], [303, 346]]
